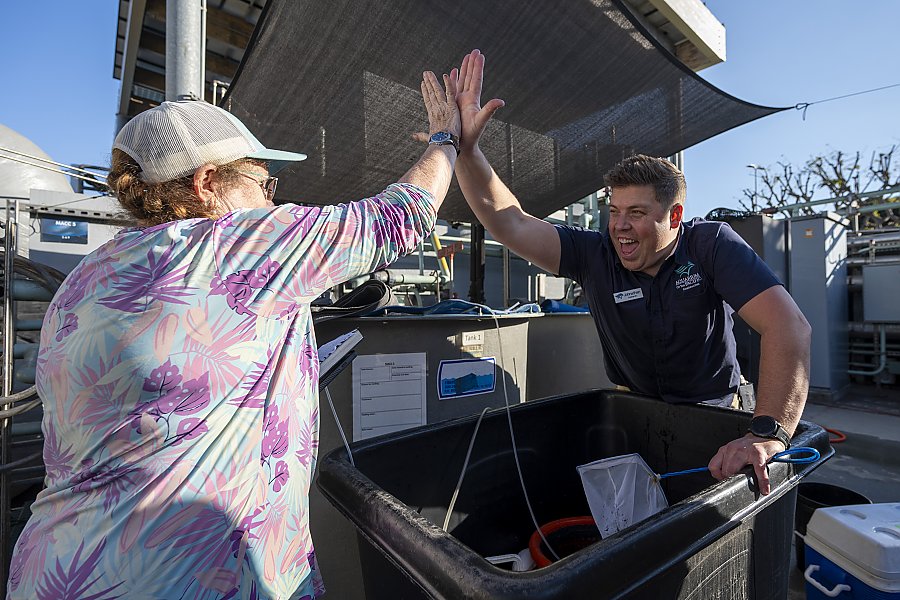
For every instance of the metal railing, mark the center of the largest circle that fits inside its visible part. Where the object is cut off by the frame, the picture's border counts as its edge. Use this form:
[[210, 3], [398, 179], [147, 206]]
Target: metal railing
[[21, 279]]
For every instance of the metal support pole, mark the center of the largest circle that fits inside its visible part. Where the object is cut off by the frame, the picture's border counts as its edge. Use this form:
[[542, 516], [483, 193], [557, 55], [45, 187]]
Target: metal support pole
[[184, 32], [204, 13], [882, 358], [450, 268], [506, 302], [787, 254], [756, 169], [9, 337], [476, 277], [421, 258]]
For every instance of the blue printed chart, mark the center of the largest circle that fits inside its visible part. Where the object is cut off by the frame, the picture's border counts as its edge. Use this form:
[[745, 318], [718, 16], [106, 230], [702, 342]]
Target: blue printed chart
[[466, 377]]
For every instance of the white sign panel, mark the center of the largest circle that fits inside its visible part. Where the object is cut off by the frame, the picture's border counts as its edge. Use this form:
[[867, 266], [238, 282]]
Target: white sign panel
[[388, 393], [472, 338]]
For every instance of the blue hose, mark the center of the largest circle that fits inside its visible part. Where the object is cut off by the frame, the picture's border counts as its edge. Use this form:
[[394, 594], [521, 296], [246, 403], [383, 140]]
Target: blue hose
[[807, 456], [812, 455]]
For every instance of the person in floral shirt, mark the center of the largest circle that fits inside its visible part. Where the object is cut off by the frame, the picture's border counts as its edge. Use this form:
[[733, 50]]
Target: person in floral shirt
[[178, 365]]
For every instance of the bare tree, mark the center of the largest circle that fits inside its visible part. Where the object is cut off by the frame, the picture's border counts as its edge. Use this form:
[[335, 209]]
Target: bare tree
[[841, 175], [785, 186]]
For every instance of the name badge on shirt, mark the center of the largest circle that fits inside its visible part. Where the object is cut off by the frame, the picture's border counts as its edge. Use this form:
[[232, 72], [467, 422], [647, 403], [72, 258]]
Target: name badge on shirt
[[627, 295]]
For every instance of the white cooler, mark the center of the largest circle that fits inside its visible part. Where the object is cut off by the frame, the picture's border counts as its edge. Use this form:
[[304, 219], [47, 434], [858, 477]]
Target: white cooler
[[854, 552]]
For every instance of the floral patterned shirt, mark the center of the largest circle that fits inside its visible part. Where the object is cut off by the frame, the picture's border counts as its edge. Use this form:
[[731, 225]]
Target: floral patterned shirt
[[178, 371]]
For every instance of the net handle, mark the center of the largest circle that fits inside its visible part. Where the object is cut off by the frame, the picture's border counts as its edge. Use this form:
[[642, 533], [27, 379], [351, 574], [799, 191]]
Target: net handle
[[801, 455]]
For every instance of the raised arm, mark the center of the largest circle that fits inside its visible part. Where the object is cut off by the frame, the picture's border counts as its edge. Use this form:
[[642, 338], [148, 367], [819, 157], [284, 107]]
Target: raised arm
[[491, 201], [272, 260], [434, 170]]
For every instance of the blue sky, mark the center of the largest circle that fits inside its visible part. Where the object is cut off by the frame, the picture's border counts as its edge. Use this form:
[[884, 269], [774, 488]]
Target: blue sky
[[58, 88], [780, 53]]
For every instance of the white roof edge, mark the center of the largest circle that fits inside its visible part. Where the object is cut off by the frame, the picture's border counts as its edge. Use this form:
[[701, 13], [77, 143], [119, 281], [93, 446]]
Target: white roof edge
[[698, 25]]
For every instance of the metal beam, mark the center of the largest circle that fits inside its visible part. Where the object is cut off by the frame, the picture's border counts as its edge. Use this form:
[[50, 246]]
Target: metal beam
[[136, 9], [846, 198], [221, 25], [184, 30], [228, 28], [150, 79], [476, 271], [223, 66]]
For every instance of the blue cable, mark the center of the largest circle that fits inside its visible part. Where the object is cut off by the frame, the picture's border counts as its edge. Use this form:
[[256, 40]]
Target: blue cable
[[782, 457], [812, 455], [686, 472]]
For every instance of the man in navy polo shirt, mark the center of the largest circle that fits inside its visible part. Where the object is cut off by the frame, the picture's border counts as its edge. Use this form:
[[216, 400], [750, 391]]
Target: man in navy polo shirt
[[661, 291]]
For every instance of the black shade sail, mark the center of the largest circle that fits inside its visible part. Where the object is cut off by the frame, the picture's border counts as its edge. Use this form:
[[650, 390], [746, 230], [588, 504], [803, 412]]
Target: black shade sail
[[584, 85]]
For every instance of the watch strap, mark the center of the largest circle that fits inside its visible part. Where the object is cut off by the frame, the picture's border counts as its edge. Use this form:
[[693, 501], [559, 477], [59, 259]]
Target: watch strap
[[778, 433], [782, 436]]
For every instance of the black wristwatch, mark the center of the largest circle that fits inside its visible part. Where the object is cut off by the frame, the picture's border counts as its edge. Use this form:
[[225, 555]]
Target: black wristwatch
[[445, 138], [767, 427]]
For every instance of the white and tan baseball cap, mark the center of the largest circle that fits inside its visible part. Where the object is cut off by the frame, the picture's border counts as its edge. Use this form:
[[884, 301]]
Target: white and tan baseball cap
[[175, 138]]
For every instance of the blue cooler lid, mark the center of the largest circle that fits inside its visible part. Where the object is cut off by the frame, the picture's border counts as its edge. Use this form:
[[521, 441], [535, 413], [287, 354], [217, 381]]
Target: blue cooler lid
[[862, 539]]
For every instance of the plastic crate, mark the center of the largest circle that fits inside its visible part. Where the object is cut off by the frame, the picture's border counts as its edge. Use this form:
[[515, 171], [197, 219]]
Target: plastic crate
[[717, 539]]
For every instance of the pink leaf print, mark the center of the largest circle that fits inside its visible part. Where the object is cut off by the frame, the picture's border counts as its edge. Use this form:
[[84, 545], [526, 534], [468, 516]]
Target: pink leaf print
[[164, 377], [308, 443], [183, 525], [245, 531], [236, 289], [198, 534], [70, 324], [260, 278], [56, 458], [275, 438], [257, 385], [192, 397], [281, 476], [225, 372], [239, 287], [189, 429], [142, 284], [195, 395], [75, 288], [165, 336], [144, 322], [109, 480], [76, 579]]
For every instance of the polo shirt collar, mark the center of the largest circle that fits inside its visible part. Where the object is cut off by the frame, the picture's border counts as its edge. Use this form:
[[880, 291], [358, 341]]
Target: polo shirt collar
[[680, 255]]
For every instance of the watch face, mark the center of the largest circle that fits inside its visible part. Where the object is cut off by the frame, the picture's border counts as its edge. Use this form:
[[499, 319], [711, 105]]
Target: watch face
[[763, 426], [439, 137]]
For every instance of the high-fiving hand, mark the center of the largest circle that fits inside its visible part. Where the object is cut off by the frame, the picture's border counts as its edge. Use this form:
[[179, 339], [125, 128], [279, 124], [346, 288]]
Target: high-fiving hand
[[443, 113], [474, 117]]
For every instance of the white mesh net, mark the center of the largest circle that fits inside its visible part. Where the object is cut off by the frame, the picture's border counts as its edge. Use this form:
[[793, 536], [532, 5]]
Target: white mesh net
[[174, 138], [621, 491]]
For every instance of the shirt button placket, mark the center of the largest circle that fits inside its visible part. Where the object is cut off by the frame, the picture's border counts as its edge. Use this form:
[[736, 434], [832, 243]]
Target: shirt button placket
[[657, 325]]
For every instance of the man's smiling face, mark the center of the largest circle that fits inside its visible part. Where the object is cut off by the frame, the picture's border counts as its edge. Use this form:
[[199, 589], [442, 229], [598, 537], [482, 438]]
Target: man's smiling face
[[642, 231]]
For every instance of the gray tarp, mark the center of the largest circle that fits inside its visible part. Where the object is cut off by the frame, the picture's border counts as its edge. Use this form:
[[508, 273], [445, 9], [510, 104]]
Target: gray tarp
[[584, 86]]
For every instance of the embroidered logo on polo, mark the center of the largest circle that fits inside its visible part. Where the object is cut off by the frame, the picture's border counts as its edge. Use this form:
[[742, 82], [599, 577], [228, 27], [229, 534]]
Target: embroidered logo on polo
[[685, 270], [627, 295], [686, 279]]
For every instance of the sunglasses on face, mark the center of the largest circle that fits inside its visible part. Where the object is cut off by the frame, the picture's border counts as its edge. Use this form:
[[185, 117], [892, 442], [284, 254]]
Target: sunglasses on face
[[266, 184]]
